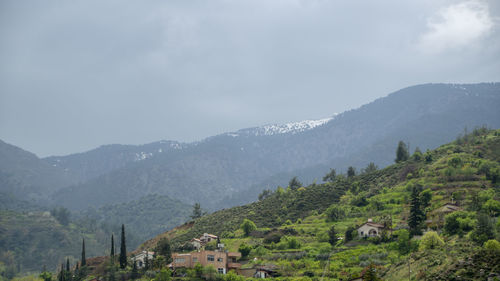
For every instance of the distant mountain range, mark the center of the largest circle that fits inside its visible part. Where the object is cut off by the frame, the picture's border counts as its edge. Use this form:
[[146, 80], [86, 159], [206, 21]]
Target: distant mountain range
[[232, 168]]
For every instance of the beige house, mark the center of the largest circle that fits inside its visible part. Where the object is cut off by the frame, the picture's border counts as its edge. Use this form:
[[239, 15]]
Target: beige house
[[203, 240], [221, 261], [436, 217], [140, 258], [370, 229]]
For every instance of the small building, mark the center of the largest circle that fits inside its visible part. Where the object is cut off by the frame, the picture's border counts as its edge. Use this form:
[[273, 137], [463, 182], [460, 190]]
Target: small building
[[140, 258], [370, 229], [436, 217], [196, 243], [221, 261], [205, 238]]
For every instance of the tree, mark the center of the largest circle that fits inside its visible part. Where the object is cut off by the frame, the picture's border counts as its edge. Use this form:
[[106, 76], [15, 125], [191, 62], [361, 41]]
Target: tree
[[335, 212], [248, 226], [330, 177], [402, 153], [404, 243], [492, 245], [332, 236], [135, 273], [370, 168], [416, 215], [430, 240], [164, 275], [61, 273], [417, 155], [112, 253], [349, 233], [163, 248], [370, 273], [484, 229], [351, 172], [244, 249], [61, 214], [265, 194], [46, 276], [84, 261], [123, 250], [425, 198], [196, 211], [294, 183]]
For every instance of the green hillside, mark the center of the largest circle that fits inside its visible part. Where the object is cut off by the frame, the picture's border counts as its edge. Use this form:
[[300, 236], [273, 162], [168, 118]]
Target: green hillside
[[293, 225]]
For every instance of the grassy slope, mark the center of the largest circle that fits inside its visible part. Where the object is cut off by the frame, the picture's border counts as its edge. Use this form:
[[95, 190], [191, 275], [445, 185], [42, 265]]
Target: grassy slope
[[387, 193]]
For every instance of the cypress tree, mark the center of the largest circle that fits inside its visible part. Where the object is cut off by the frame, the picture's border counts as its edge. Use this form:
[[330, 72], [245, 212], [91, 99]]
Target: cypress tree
[[332, 236], [123, 250], [84, 261], [112, 254], [135, 273], [67, 265], [61, 273]]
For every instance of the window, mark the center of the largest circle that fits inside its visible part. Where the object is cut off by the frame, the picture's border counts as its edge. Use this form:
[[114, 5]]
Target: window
[[210, 258], [195, 260], [220, 270], [179, 260], [220, 259]]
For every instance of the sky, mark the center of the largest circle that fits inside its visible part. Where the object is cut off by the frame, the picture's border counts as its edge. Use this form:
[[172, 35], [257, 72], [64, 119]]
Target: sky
[[75, 75]]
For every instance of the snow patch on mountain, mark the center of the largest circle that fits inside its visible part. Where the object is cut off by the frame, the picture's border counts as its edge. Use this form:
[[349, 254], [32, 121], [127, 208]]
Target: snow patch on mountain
[[289, 128]]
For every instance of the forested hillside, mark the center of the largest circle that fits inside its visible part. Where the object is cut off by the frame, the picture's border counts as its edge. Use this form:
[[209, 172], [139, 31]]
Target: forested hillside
[[219, 168], [309, 232]]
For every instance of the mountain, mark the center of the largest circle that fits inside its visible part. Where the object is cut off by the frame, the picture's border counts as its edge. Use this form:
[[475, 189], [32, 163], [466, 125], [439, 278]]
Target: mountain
[[221, 167], [91, 164], [24, 175]]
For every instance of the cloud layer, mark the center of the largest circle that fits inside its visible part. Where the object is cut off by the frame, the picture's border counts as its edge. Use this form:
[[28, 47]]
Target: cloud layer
[[78, 74]]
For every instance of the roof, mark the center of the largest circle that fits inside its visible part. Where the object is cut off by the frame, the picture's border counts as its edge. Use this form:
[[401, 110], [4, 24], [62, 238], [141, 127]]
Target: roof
[[233, 254], [195, 240], [372, 224], [209, 235]]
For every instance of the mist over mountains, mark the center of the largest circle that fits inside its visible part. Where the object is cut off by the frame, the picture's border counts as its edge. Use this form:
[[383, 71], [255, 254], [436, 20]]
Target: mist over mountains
[[232, 168]]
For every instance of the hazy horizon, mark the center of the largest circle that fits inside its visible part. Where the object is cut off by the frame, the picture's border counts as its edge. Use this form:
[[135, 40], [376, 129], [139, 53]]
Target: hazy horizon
[[77, 75]]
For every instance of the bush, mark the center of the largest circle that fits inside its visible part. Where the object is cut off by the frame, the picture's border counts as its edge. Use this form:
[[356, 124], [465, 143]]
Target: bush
[[492, 207], [244, 249], [459, 222], [492, 245], [431, 240], [335, 213]]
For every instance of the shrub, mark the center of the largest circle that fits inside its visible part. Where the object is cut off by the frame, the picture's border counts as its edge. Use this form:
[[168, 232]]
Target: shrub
[[492, 245], [492, 207], [459, 222], [244, 249], [335, 213], [431, 240]]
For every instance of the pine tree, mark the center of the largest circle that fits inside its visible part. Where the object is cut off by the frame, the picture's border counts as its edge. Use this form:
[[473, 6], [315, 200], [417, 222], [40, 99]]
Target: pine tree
[[196, 211], [416, 214], [61, 273], [402, 153], [84, 261], [351, 172], [123, 250]]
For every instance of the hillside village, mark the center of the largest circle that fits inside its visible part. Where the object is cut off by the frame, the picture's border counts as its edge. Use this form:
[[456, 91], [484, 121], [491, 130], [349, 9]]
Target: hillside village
[[430, 216]]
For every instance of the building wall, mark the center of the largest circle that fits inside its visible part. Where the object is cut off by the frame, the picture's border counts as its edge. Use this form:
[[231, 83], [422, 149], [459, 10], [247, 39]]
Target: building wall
[[190, 260], [365, 229]]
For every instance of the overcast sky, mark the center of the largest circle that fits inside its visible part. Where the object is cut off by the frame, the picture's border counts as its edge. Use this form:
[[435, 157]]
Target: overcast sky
[[78, 74]]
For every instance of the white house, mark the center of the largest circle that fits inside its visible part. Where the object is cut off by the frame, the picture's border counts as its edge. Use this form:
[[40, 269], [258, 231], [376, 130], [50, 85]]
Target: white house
[[370, 229], [140, 258], [205, 238]]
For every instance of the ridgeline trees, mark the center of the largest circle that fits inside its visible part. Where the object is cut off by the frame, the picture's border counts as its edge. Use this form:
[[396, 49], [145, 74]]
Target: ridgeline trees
[[330, 177], [123, 249], [294, 183], [351, 172], [402, 153], [196, 211]]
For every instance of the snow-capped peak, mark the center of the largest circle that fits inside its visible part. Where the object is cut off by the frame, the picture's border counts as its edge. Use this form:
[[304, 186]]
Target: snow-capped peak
[[289, 128]]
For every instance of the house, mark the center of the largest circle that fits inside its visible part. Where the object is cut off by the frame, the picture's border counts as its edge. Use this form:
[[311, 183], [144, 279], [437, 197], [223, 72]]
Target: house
[[370, 229], [205, 238], [221, 260], [436, 217], [140, 258], [196, 243]]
